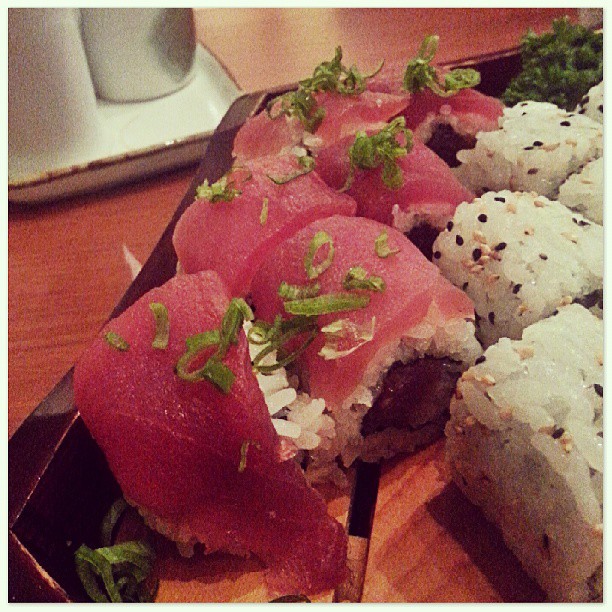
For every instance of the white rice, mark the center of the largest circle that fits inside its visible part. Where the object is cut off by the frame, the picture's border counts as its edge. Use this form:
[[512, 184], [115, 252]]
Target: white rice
[[519, 257], [525, 443], [591, 105], [583, 191], [536, 148]]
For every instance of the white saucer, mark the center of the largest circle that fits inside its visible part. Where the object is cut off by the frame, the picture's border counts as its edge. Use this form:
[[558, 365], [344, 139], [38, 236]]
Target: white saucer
[[140, 138]]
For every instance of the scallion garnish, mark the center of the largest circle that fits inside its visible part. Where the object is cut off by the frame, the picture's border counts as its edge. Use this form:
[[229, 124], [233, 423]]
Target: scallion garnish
[[298, 292], [116, 341], [421, 74], [381, 149], [318, 241], [162, 325], [357, 278], [326, 304], [234, 317], [225, 189], [382, 248], [244, 449], [263, 215], [110, 520], [307, 163]]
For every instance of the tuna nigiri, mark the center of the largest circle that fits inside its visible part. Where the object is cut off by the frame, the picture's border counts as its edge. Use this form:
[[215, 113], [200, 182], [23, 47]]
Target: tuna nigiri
[[172, 401], [375, 301], [237, 224]]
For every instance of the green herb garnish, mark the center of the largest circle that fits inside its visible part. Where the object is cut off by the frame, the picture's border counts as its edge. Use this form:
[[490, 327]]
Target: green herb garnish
[[116, 341], [297, 292], [326, 304], [357, 278], [244, 449], [263, 215], [380, 149], [559, 66], [307, 163], [327, 76], [162, 325], [116, 573], [225, 189], [420, 73], [381, 246], [319, 240]]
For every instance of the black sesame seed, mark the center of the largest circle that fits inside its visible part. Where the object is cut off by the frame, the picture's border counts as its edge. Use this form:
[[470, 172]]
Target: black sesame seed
[[532, 171], [449, 226], [582, 111], [555, 312], [480, 359], [482, 218], [500, 247], [437, 255], [523, 113], [459, 240], [527, 148], [583, 223], [598, 389], [558, 433], [565, 123], [500, 199], [537, 143], [585, 100], [523, 104], [575, 220], [491, 317], [600, 108], [476, 254], [464, 286], [543, 256], [516, 288]]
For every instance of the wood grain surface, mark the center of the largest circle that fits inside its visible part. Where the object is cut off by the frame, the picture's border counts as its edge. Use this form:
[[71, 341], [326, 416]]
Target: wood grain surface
[[67, 271]]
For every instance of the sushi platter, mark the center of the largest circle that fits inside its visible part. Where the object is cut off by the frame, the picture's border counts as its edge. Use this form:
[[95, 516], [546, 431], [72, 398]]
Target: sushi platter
[[412, 534]]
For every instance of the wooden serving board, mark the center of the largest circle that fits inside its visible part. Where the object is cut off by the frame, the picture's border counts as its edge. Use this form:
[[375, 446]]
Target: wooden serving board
[[412, 536]]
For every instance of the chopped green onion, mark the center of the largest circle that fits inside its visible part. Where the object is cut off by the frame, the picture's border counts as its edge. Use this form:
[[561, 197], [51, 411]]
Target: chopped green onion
[[382, 248], [352, 334], [162, 325], [116, 341], [326, 304], [219, 374], [237, 312], [307, 163], [223, 190], [297, 292], [318, 241], [421, 74], [109, 522], [263, 215], [357, 278], [243, 453], [380, 149]]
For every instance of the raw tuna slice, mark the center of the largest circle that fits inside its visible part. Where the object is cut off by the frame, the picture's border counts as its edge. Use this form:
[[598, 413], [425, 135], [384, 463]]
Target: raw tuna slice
[[446, 124], [413, 291], [234, 237], [429, 195], [202, 465], [344, 116]]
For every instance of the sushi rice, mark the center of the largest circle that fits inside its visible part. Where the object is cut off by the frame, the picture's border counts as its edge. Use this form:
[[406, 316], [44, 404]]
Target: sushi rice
[[583, 191], [591, 105]]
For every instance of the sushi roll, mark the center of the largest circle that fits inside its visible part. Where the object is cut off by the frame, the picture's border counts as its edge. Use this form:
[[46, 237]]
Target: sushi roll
[[525, 443], [536, 148], [168, 393], [520, 256], [385, 336], [583, 191], [591, 105]]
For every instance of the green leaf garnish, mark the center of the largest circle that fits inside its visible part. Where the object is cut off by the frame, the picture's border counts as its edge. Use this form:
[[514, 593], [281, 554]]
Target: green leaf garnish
[[307, 163], [559, 66], [327, 76], [237, 312], [162, 325], [263, 215], [225, 189], [318, 241], [116, 341], [420, 73], [244, 449], [381, 246], [380, 149], [357, 278], [326, 304], [110, 520], [297, 292]]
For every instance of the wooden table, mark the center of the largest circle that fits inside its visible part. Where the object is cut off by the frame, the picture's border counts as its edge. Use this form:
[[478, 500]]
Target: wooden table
[[66, 268]]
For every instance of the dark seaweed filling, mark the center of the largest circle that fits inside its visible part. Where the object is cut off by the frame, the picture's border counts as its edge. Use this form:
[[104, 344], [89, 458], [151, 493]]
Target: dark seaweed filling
[[412, 395], [423, 237], [445, 143], [595, 298]]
